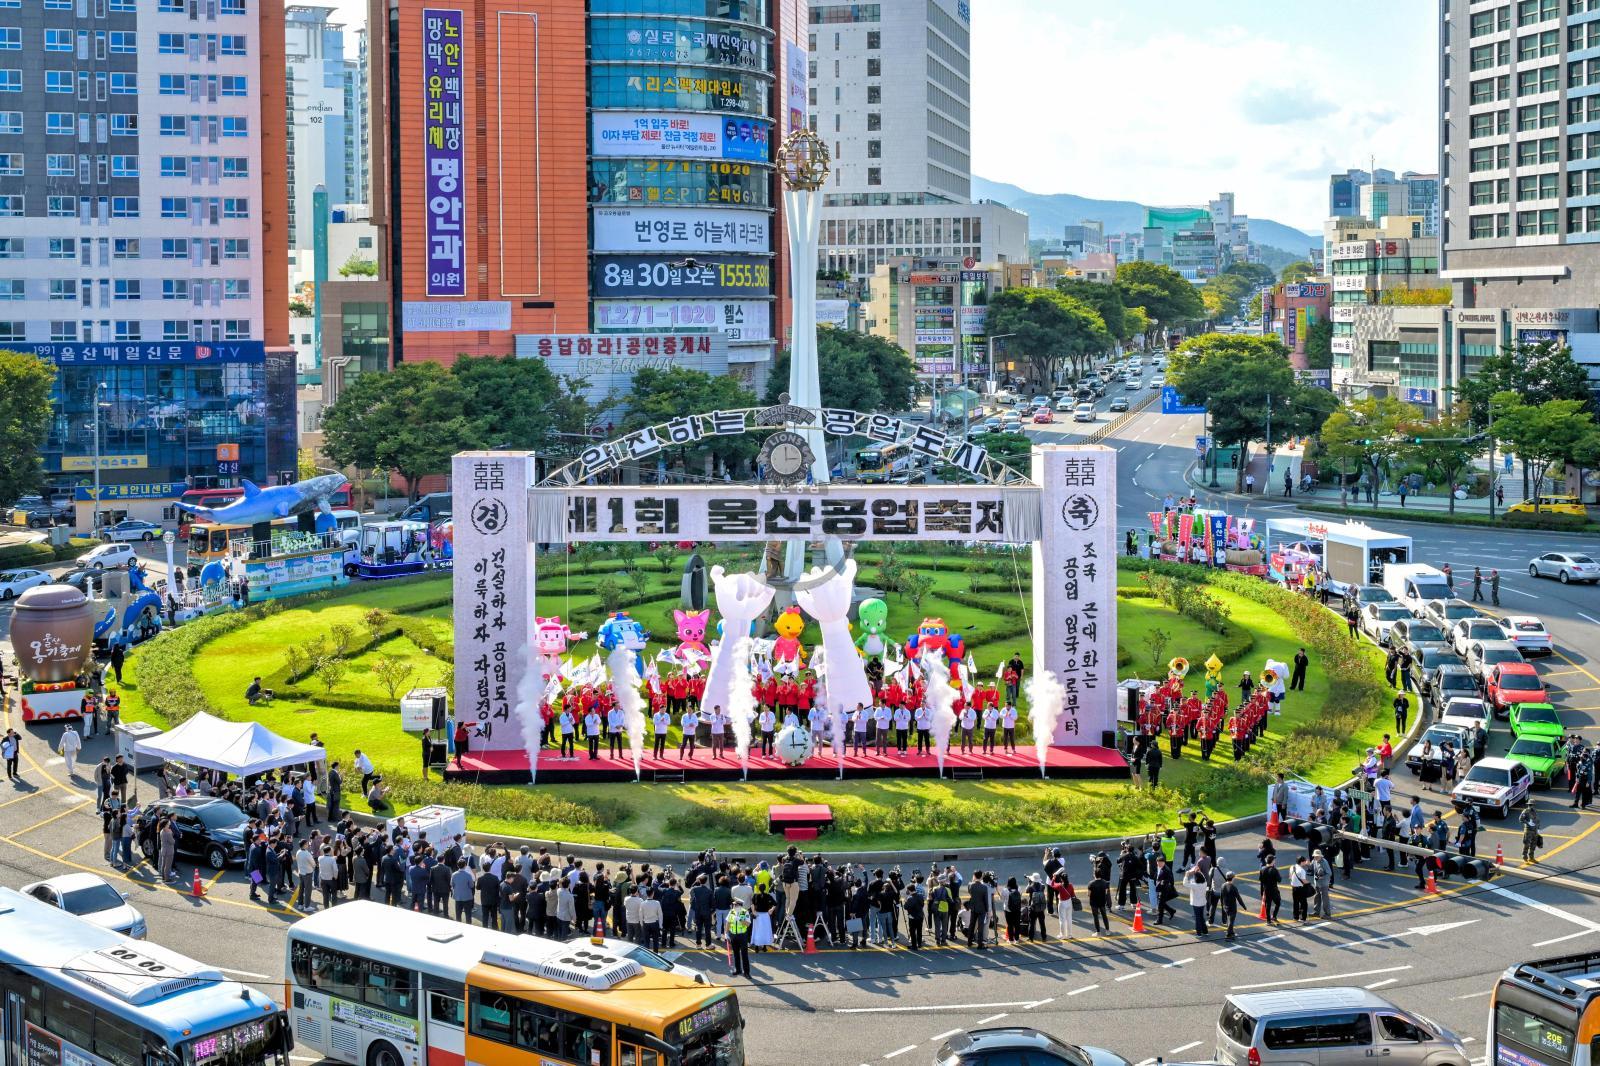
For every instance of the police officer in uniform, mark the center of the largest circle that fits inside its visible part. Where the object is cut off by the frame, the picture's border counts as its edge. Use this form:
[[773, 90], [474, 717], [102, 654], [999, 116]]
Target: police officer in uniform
[[738, 923]]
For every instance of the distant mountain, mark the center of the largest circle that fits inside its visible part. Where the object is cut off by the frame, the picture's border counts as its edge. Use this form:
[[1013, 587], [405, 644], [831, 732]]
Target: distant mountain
[[1049, 212]]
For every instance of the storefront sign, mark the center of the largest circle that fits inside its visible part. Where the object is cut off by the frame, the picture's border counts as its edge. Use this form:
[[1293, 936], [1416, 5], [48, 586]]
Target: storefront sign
[[928, 367], [1546, 317], [936, 336], [154, 490], [835, 313], [608, 362], [681, 229], [1383, 377], [678, 182], [107, 462], [741, 320], [795, 76], [442, 155], [933, 278], [974, 321], [1477, 318], [682, 136], [1425, 397], [655, 275], [721, 93], [454, 316], [282, 569], [71, 354], [1306, 291], [674, 42]]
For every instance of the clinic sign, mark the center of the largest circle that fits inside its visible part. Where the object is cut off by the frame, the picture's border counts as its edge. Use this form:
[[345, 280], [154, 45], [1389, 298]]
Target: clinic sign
[[682, 229], [680, 136], [443, 148]]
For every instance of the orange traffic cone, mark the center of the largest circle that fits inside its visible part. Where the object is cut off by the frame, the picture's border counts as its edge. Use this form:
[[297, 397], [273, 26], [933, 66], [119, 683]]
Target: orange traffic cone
[[1263, 915], [1433, 884], [1499, 855], [1274, 828], [597, 935], [1138, 917], [197, 890], [811, 939]]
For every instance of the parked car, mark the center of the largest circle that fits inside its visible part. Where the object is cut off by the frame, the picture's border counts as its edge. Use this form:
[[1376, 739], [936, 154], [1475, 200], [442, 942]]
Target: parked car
[[91, 898], [210, 828], [1449, 681], [131, 529], [14, 583], [1378, 619], [44, 516], [107, 555], [1446, 613], [1544, 757], [1436, 735], [1511, 683], [1565, 567], [1528, 634], [1412, 633], [1536, 720], [1468, 630], [1485, 655], [1118, 405], [1493, 784], [1365, 594], [1019, 1044], [1465, 711], [1550, 504], [1329, 1027]]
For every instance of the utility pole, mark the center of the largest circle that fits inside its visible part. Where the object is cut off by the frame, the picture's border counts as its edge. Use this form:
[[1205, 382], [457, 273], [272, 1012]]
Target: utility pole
[[1269, 439], [94, 520], [1492, 477]]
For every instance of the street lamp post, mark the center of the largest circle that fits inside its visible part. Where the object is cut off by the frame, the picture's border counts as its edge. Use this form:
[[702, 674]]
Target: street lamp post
[[991, 339], [94, 519]]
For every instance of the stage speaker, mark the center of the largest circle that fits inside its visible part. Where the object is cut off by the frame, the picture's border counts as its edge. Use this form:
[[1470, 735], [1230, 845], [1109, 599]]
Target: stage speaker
[[1108, 738], [438, 712]]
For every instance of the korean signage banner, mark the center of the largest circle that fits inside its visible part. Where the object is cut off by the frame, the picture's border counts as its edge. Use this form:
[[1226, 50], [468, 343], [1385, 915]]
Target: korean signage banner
[[443, 132], [608, 362], [741, 320], [974, 321], [680, 136], [729, 513], [682, 229], [493, 590], [455, 316], [936, 336], [665, 275], [157, 490], [796, 73], [1075, 586], [70, 354], [107, 462], [835, 313]]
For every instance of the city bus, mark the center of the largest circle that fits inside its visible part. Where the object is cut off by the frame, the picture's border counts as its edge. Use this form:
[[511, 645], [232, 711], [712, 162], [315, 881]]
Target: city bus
[[371, 985], [1547, 1013], [880, 461], [210, 542], [74, 992]]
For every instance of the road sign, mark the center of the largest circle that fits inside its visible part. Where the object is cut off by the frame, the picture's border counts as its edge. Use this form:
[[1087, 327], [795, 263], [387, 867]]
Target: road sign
[[1171, 405], [1200, 445]]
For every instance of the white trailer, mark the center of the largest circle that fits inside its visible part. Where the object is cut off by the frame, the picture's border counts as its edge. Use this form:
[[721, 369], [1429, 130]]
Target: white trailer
[[1353, 553]]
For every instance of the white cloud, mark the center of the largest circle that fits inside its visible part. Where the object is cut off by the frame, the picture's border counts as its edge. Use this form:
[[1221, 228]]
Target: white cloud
[[1171, 105]]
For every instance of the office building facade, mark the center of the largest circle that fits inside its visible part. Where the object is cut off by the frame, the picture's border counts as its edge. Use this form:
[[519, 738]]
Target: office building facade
[[141, 200]]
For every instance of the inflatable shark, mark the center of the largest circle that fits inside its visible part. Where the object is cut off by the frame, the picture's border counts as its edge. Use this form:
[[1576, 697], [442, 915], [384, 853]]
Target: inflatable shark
[[279, 501]]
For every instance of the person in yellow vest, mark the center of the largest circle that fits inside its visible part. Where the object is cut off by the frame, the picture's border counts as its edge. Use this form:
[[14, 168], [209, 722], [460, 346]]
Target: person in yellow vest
[[738, 924]]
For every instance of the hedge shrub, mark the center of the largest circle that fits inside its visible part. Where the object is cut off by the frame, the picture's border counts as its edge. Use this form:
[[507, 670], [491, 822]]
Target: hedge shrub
[[518, 804]]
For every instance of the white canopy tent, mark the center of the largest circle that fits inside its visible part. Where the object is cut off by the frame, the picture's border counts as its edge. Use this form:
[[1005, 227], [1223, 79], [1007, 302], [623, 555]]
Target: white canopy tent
[[241, 748]]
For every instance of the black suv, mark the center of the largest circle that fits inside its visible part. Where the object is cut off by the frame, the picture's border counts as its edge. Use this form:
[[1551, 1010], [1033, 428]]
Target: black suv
[[206, 827]]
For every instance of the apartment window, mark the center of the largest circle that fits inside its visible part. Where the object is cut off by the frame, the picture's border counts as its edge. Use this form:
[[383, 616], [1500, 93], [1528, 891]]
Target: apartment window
[[1490, 123], [60, 123], [1486, 89], [1583, 35], [236, 167], [1583, 183], [1482, 159], [124, 207], [1583, 145], [124, 83], [235, 126], [1537, 187], [10, 121], [1583, 108], [57, 40], [235, 85], [175, 289], [1531, 11], [126, 289], [174, 125], [63, 248], [63, 288], [12, 205], [11, 164], [234, 44], [124, 166], [874, 121], [174, 166], [1482, 226], [239, 288], [11, 248], [1538, 45], [235, 207], [10, 81], [125, 248], [874, 176], [1481, 192], [174, 247], [170, 85], [236, 248], [874, 94], [1492, 21], [1543, 150], [126, 330], [167, 44], [233, 7], [175, 329], [1538, 116], [10, 39], [174, 207], [58, 81], [1538, 80], [12, 289], [63, 331], [1481, 57], [12, 332], [874, 149], [1577, 7], [235, 329], [124, 125], [58, 165], [61, 206]]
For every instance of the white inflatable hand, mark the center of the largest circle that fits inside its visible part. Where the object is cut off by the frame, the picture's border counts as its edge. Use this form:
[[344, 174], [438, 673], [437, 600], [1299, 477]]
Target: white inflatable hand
[[741, 599], [828, 601]]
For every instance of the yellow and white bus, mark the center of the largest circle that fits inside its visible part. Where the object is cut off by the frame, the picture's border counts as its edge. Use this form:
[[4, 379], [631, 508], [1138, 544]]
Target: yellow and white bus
[[372, 985]]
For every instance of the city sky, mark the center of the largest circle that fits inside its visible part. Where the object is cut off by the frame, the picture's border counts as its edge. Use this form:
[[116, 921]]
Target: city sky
[[1174, 101]]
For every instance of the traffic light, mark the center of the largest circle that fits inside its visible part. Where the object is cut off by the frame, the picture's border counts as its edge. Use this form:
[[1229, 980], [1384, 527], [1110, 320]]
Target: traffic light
[[1478, 869]]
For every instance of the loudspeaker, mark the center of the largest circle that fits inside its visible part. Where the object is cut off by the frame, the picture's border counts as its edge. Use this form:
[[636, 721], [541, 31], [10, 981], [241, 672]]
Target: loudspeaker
[[438, 712]]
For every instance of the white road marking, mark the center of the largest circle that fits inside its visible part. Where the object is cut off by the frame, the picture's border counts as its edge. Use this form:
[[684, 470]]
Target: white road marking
[[1176, 963], [1561, 939], [1469, 1040], [1039, 1003], [1081, 991], [1224, 951], [1519, 592], [1596, 621], [1474, 995], [902, 1051], [946, 1006], [1131, 976], [941, 1036], [992, 1018], [1186, 1047], [1554, 912], [1314, 980], [1380, 984], [247, 973], [1420, 930]]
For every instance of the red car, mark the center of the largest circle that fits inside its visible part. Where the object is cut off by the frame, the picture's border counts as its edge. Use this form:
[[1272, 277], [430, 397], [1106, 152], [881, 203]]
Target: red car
[[1043, 415], [1510, 683]]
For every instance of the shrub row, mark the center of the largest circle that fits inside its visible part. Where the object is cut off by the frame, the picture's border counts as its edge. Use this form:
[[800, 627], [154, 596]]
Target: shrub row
[[1543, 521], [519, 804], [1189, 600]]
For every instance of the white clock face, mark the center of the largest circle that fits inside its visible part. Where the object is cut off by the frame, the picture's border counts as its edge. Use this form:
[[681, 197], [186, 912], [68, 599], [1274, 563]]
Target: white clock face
[[787, 458]]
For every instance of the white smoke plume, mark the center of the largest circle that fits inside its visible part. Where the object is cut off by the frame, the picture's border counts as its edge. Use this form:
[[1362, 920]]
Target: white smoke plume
[[741, 700], [531, 694], [625, 686], [941, 703], [1046, 700]]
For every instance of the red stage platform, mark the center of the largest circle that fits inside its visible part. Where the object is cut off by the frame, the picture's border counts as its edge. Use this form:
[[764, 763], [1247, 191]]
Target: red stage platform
[[511, 767]]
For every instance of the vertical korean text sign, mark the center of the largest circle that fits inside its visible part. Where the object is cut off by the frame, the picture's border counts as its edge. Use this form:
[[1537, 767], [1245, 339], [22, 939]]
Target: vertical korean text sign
[[443, 130], [1075, 586], [493, 591]]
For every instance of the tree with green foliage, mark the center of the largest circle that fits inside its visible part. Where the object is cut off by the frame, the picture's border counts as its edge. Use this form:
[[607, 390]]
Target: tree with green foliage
[[1223, 293], [857, 371], [1545, 434], [1257, 274], [1161, 292], [411, 420], [1239, 379], [520, 404], [1013, 449], [1049, 328], [1136, 322], [1368, 434], [1406, 296], [357, 267], [1105, 299], [1297, 271], [661, 395], [1319, 345], [25, 412], [1253, 310], [1534, 373], [1445, 449]]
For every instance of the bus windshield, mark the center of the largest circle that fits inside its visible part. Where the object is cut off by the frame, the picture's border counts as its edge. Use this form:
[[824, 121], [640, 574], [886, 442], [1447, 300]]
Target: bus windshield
[[257, 1040], [1539, 1040], [711, 1036]]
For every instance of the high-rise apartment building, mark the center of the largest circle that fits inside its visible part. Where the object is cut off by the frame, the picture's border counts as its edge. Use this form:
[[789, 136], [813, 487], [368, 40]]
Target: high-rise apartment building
[[1344, 190], [141, 236], [316, 116]]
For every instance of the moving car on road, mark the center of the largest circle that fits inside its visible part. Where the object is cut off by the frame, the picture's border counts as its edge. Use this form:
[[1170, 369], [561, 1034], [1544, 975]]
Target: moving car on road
[[1528, 634], [1467, 630], [1536, 720], [91, 898], [1084, 412], [1017, 1045], [1043, 416], [1493, 784], [1565, 567], [1511, 683], [14, 583], [1550, 504], [1543, 756], [1329, 1027], [1118, 405]]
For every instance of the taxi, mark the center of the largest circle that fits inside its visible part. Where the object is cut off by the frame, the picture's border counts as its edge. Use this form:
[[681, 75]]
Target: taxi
[[1550, 504], [1495, 785]]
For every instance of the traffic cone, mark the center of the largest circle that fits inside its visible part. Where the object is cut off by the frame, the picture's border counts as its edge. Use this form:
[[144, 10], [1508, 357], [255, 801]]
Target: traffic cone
[[811, 939], [1263, 915], [1274, 827], [1499, 855], [1138, 917], [1433, 884], [597, 935], [197, 890]]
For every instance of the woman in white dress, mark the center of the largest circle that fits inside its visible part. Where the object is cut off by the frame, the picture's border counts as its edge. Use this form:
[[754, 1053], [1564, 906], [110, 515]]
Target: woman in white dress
[[761, 930]]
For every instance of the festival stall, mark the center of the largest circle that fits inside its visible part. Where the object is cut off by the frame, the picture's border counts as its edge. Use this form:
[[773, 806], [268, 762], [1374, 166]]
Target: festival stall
[[239, 748], [1348, 553]]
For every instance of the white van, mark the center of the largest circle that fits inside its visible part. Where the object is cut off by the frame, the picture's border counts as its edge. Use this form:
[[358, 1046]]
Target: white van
[[1330, 1027], [1414, 584]]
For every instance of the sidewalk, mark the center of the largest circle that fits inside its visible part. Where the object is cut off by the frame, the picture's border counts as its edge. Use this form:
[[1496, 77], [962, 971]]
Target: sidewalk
[[1269, 488]]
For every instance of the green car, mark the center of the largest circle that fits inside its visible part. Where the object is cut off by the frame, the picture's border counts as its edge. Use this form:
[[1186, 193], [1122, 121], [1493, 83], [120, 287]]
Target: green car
[[1536, 720], [1541, 755]]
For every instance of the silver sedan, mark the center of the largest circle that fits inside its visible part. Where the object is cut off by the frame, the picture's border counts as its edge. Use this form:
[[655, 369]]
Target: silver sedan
[[1565, 567]]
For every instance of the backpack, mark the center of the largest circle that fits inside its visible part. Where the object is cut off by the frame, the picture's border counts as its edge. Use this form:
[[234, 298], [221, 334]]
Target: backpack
[[791, 872], [1036, 899]]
